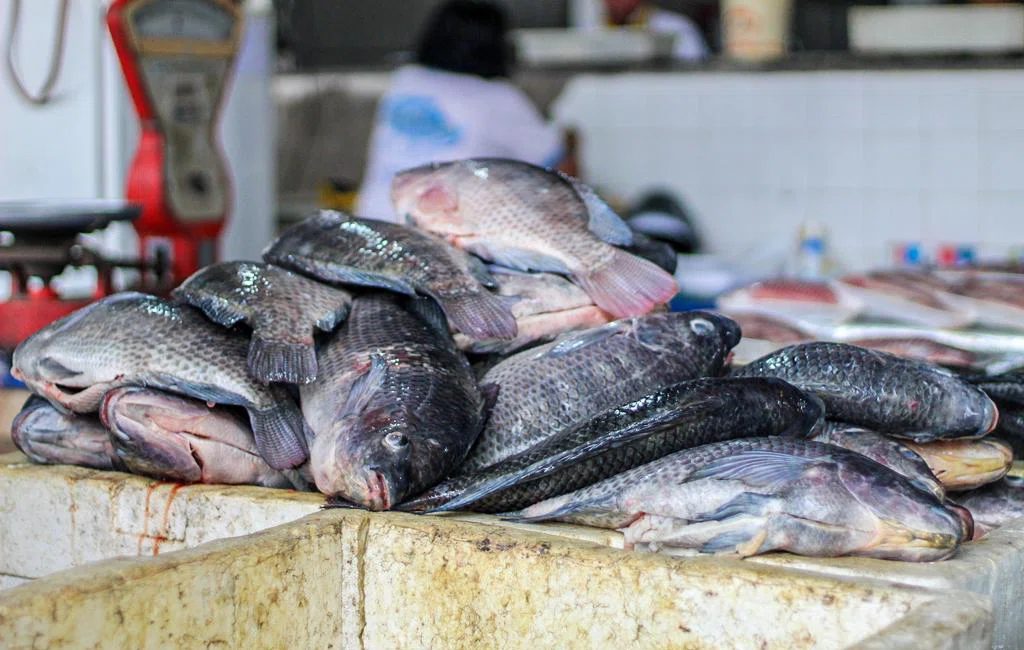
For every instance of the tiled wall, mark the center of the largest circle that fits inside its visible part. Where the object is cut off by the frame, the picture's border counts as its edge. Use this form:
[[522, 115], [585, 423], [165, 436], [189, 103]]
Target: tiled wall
[[878, 157]]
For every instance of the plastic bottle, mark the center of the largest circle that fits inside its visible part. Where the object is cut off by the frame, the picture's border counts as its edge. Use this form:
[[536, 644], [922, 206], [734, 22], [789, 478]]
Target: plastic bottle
[[811, 256]]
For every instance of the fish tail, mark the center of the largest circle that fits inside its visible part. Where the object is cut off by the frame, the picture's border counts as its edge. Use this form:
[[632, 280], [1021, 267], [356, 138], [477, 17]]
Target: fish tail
[[480, 316], [281, 361], [554, 508], [627, 285], [279, 433]]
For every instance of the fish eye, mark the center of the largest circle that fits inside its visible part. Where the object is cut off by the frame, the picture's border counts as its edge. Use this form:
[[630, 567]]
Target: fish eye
[[909, 454], [702, 326], [396, 440]]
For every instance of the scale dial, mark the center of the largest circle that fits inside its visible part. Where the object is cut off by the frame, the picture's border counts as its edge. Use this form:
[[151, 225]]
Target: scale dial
[[196, 20]]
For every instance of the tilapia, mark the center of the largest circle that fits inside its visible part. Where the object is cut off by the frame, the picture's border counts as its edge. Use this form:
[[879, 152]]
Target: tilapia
[[966, 464], [757, 495], [995, 504], [895, 455], [654, 250], [131, 339], [394, 409], [533, 219], [338, 248], [908, 297], [882, 392], [543, 390], [818, 303], [1011, 427], [669, 419], [1007, 387], [173, 438], [544, 305], [282, 308], [52, 437]]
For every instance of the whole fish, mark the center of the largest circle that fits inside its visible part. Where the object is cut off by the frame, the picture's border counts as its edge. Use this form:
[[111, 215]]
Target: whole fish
[[282, 308], [966, 464], [544, 305], [338, 248], [757, 495], [533, 219], [882, 392], [896, 455], [131, 339], [172, 438], [996, 504], [676, 417], [543, 390], [51, 437], [394, 409]]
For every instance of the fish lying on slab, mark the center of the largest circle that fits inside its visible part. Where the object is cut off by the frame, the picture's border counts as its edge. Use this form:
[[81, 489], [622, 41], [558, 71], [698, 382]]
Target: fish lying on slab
[[282, 308], [533, 219], [965, 464], [908, 297], [757, 495], [543, 390], [54, 437], [545, 306], [676, 417], [173, 438], [996, 504], [337, 248], [131, 339], [921, 349], [394, 409], [882, 392], [818, 303], [894, 454]]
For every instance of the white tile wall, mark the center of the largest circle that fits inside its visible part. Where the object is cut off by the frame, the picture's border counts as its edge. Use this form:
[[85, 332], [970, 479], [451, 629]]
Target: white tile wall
[[879, 157]]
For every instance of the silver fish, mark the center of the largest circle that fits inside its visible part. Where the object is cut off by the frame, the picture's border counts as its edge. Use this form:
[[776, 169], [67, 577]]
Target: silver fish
[[762, 494], [131, 339], [52, 437], [533, 219], [282, 308]]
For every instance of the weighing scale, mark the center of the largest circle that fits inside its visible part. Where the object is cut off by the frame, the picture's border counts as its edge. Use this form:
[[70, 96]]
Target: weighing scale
[[177, 58]]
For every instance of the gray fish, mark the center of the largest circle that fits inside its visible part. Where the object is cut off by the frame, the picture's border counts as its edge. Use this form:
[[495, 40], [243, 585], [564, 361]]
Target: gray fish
[[882, 392], [1007, 387], [131, 339], [996, 504], [1011, 427], [548, 388], [885, 451], [533, 219], [281, 307], [763, 494], [334, 247], [653, 250], [173, 438], [669, 419], [394, 409], [52, 437], [545, 306]]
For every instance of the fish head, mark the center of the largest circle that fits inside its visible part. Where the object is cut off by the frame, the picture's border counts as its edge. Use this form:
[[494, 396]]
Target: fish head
[[965, 464], [702, 329], [911, 523], [897, 456], [428, 196], [966, 409], [47, 435]]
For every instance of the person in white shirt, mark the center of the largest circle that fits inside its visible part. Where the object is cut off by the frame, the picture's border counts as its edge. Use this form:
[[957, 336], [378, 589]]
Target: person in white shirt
[[690, 44], [454, 102]]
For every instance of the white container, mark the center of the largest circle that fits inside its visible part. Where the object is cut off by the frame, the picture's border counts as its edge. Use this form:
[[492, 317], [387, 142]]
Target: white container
[[756, 30]]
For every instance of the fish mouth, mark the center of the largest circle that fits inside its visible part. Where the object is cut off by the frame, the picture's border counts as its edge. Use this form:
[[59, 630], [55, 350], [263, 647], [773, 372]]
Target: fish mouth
[[896, 540], [378, 492], [967, 525], [993, 418], [146, 446], [968, 471]]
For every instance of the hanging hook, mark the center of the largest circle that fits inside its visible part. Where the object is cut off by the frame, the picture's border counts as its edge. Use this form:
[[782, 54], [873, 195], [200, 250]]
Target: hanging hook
[[45, 93]]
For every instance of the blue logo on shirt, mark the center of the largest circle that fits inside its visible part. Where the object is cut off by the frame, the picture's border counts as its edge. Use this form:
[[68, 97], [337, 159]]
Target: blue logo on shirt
[[420, 118]]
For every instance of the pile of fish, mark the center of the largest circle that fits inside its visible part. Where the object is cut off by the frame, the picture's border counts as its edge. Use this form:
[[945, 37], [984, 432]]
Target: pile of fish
[[506, 352]]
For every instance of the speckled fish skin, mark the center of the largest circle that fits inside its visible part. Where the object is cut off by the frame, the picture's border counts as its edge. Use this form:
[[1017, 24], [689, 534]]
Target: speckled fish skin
[[882, 392], [395, 407], [334, 247], [669, 419], [1007, 387], [966, 464], [1011, 427], [131, 339], [282, 308], [545, 306], [178, 439], [548, 388], [51, 437], [996, 504], [757, 495], [533, 219], [885, 451]]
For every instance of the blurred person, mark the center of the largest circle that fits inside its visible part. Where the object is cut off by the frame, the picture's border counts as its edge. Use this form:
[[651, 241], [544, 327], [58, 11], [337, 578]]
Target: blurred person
[[454, 102], [690, 44]]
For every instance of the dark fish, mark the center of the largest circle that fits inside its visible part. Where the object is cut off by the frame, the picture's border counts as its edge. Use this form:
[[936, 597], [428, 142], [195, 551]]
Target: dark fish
[[996, 504], [283, 309], [882, 392], [895, 455], [533, 219], [51, 437], [135, 340], [173, 438], [669, 419], [654, 250], [1011, 427], [966, 464], [762, 494], [394, 409], [548, 388], [1007, 387], [334, 247]]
